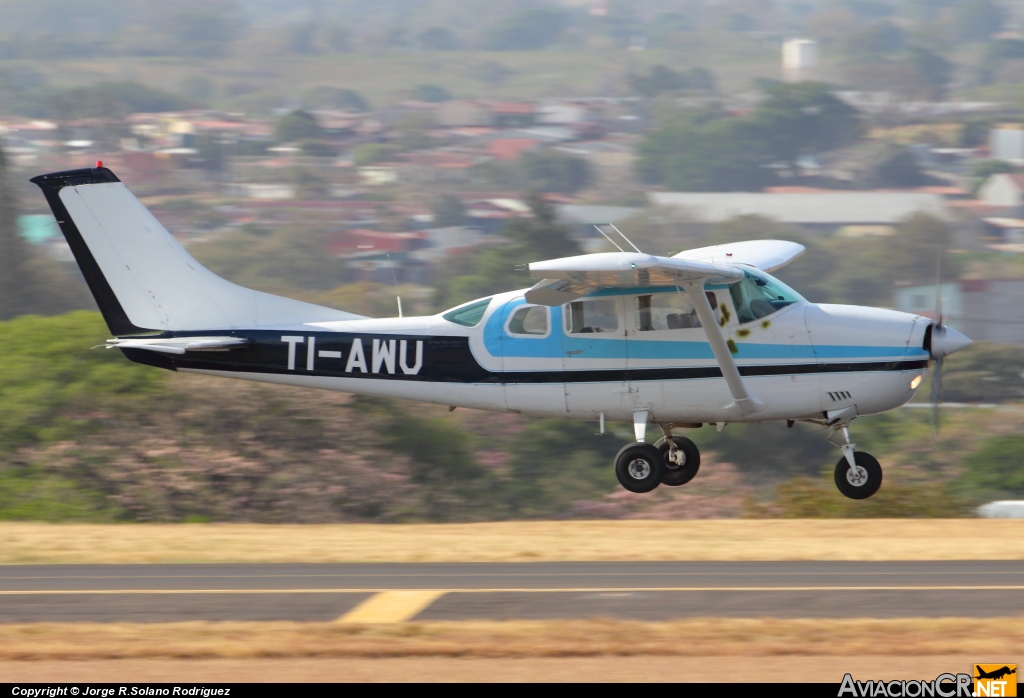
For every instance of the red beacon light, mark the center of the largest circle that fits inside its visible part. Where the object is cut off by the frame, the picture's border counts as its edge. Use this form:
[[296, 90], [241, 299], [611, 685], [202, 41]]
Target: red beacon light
[[99, 163]]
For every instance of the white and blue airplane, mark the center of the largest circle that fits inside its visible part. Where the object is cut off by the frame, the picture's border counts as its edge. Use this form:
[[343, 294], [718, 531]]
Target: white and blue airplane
[[704, 337]]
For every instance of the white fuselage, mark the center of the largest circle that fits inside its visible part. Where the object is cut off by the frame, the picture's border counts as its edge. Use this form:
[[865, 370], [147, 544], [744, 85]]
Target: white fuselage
[[803, 361]]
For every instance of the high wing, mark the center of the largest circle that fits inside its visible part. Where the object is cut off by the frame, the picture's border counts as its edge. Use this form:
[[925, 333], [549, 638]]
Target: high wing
[[767, 255], [567, 278], [177, 345]]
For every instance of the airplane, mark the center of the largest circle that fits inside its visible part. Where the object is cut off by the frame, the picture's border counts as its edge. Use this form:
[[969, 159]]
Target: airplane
[[706, 336], [994, 674]]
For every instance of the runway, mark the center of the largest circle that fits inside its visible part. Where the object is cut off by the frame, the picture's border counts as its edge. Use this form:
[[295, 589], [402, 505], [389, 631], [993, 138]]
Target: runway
[[645, 591]]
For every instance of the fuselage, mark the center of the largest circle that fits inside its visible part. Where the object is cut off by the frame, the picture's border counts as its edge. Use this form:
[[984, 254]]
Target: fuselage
[[612, 353]]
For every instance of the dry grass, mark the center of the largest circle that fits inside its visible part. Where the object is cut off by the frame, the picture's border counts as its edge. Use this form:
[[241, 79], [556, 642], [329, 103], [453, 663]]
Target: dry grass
[[530, 541], [698, 637]]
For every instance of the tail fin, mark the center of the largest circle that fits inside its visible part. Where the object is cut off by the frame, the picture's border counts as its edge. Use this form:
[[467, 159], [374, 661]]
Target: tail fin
[[142, 279]]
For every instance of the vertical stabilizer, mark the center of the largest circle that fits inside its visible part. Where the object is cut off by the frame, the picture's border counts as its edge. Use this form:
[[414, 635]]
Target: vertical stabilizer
[[142, 279]]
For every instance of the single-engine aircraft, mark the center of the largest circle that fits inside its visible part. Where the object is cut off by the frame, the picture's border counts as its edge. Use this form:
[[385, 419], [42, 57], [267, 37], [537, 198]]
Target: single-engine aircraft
[[703, 337]]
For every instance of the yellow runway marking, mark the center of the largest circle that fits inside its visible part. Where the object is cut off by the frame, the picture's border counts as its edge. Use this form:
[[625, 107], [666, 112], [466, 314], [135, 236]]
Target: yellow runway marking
[[391, 606], [515, 590]]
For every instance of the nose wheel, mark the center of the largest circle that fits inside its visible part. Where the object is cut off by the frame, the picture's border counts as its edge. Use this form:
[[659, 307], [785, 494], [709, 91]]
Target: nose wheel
[[858, 482], [858, 474]]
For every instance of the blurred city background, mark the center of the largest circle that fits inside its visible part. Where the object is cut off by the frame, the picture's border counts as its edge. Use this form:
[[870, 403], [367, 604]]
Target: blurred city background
[[345, 152]]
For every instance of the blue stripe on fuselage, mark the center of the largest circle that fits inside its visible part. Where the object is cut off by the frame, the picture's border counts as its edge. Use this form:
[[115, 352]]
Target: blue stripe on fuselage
[[557, 344]]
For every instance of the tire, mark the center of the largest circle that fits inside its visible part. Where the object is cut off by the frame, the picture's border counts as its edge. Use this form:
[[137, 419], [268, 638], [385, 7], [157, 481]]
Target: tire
[[864, 487], [639, 467], [677, 474]]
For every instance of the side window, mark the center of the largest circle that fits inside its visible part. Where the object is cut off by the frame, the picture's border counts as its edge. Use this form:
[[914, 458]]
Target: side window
[[665, 311], [529, 320], [593, 315]]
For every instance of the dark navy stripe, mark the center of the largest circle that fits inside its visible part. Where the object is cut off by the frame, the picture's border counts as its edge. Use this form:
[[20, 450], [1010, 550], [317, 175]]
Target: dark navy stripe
[[449, 360]]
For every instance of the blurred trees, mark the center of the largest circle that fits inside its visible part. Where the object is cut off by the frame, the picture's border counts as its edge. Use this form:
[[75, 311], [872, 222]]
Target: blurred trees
[[705, 152], [16, 277], [660, 78], [448, 211], [327, 97], [493, 270], [29, 283], [538, 170], [296, 126], [711, 151]]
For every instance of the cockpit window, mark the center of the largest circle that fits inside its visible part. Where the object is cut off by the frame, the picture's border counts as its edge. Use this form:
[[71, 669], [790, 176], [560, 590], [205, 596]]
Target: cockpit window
[[758, 295], [468, 315], [665, 311]]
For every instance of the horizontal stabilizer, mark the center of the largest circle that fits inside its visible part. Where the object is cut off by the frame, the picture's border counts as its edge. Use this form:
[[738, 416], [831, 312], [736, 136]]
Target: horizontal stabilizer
[[620, 270], [177, 345], [766, 255]]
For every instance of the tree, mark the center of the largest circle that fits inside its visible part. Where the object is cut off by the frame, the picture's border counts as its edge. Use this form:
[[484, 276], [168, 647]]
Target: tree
[[550, 170], [324, 97], [16, 277], [805, 118], [933, 72], [296, 126], [705, 152], [995, 468], [448, 211], [539, 236], [892, 166]]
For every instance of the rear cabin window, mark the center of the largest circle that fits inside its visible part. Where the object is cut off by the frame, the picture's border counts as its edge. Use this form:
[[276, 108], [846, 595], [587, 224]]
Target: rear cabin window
[[665, 311], [531, 320], [593, 315]]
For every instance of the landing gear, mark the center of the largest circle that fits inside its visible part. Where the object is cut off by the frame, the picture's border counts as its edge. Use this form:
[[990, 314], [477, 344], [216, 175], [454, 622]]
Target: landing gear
[[682, 459], [858, 474], [860, 482], [639, 467]]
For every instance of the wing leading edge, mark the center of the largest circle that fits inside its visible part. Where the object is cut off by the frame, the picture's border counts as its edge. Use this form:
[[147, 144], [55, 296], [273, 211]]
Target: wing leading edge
[[567, 278]]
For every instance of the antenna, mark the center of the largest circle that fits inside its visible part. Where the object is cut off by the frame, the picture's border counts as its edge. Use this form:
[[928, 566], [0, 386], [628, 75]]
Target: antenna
[[395, 280], [625, 238], [608, 238]]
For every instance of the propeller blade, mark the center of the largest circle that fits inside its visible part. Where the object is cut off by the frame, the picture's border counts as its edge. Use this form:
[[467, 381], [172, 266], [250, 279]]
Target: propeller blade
[[936, 397]]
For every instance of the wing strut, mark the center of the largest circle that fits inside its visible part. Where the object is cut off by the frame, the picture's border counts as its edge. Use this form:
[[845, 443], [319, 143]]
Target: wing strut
[[742, 402]]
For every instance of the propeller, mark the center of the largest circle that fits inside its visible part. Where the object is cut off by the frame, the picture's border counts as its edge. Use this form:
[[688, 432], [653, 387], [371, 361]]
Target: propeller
[[940, 341]]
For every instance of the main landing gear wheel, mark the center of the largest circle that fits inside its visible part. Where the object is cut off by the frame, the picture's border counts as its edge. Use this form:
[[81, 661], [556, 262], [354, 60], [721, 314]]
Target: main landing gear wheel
[[639, 467], [680, 466], [862, 482]]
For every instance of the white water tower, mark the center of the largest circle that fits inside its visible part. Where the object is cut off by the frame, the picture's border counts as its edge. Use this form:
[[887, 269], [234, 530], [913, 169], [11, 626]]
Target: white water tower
[[799, 59]]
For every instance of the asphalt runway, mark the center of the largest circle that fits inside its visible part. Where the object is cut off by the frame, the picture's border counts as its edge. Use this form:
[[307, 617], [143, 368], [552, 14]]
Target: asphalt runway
[[457, 591]]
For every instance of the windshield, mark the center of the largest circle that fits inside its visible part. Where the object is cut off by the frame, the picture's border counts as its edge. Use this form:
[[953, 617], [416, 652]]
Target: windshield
[[758, 295], [468, 315]]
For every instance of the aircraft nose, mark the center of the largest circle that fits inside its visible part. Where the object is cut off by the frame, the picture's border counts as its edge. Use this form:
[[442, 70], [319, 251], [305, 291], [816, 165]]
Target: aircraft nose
[[945, 341]]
